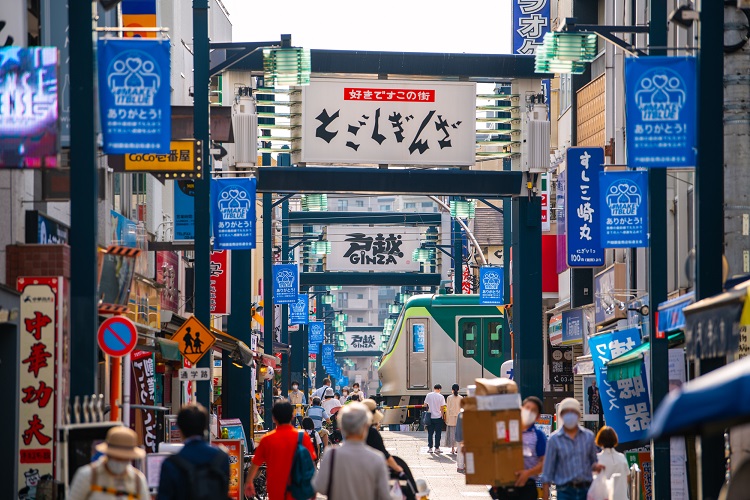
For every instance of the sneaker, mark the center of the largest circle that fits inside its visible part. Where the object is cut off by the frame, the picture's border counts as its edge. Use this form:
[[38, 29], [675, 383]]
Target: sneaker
[[438, 450], [429, 450]]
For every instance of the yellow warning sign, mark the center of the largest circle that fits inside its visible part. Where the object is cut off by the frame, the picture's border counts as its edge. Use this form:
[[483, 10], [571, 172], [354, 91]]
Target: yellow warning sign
[[195, 340]]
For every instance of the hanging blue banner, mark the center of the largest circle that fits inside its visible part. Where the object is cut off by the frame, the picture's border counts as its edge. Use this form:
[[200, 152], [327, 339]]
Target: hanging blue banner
[[583, 229], [625, 402], [233, 213], [313, 348], [299, 312], [623, 209], [329, 359], [317, 331], [134, 95], [530, 24], [285, 283], [491, 284], [184, 210], [660, 111]]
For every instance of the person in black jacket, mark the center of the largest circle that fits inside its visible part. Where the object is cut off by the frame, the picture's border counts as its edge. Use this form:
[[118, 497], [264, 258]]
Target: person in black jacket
[[375, 440]]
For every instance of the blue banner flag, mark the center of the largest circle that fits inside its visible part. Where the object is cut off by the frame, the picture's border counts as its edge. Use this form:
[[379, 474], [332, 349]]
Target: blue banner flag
[[660, 111], [625, 402], [317, 331], [623, 209], [491, 284], [329, 358], [583, 229], [313, 348], [299, 312], [134, 95], [285, 283], [530, 24], [184, 210], [233, 211]]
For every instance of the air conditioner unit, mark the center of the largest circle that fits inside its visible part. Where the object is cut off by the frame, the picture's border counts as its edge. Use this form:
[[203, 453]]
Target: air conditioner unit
[[535, 139], [245, 123]]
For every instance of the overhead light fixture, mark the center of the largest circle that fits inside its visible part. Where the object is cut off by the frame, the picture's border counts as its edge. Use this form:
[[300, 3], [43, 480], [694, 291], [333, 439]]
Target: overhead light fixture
[[565, 52], [327, 298], [463, 209], [286, 66], [423, 255], [320, 247], [394, 308], [314, 202]]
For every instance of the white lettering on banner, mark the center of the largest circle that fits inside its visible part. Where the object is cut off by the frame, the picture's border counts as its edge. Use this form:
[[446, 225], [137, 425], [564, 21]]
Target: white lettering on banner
[[360, 341], [380, 248]]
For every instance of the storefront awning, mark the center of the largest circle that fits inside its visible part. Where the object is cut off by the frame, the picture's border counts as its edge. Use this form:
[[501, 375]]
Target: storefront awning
[[628, 365], [671, 313], [170, 350], [712, 325], [237, 350]]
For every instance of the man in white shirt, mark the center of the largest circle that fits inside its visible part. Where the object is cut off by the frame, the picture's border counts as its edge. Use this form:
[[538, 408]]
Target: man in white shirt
[[320, 391], [435, 402], [330, 402]]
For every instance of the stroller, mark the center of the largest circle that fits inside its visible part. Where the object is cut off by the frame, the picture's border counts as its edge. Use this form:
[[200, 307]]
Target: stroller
[[407, 484]]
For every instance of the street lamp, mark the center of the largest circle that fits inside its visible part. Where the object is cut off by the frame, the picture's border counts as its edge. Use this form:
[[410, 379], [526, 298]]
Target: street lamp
[[423, 255], [286, 66], [314, 202], [320, 247], [564, 52], [463, 209]]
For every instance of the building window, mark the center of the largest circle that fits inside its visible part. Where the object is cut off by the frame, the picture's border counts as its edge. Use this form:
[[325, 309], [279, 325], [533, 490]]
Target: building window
[[426, 204], [359, 203], [360, 320], [360, 296], [566, 92], [385, 208], [343, 205], [410, 205]]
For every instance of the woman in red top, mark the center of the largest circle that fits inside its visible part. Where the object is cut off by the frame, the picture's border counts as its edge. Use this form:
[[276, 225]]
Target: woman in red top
[[276, 450]]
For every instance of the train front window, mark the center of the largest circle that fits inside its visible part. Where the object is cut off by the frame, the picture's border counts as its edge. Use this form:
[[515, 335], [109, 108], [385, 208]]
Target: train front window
[[394, 335], [469, 333], [495, 337]]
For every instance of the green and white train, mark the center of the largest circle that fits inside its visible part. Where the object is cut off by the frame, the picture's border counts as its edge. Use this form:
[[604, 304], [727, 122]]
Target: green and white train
[[443, 339]]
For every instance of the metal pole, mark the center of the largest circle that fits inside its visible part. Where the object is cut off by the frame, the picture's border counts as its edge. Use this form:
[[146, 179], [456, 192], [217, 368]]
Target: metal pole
[[507, 245], [202, 198], [527, 287], [709, 203], [458, 268], [83, 206], [657, 275], [268, 306], [236, 391], [285, 358]]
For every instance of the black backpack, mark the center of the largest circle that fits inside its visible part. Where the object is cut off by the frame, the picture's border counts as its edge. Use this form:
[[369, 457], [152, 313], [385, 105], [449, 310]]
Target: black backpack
[[205, 481]]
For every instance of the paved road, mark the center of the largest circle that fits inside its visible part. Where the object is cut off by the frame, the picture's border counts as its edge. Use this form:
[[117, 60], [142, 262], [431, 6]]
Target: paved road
[[439, 470]]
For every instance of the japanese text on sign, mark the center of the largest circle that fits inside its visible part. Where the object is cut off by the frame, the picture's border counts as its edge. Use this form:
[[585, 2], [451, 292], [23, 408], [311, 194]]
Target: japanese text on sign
[[381, 248], [582, 219], [317, 332], [144, 375], [624, 209], [530, 24], [299, 312], [375, 94], [233, 213], [219, 283], [285, 283], [491, 285]]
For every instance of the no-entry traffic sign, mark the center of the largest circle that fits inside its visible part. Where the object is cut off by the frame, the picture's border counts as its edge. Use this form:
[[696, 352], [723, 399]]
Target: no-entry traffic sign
[[117, 336]]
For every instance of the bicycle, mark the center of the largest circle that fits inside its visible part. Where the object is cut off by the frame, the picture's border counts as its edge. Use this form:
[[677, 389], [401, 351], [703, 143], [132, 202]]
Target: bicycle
[[261, 491]]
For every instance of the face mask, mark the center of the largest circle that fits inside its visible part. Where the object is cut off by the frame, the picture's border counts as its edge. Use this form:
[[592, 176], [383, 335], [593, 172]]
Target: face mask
[[294, 387], [570, 420], [115, 466], [528, 417]]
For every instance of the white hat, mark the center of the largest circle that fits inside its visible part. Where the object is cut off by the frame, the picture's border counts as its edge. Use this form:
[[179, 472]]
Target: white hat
[[328, 393], [569, 404]]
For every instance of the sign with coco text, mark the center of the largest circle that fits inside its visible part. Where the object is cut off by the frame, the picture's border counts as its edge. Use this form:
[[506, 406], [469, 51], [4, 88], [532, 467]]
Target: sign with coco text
[[388, 121], [583, 229], [379, 248], [623, 206]]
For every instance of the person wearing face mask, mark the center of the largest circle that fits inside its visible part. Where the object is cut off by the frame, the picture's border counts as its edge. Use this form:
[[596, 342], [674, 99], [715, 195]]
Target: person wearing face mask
[[453, 408], [297, 397], [344, 395], [571, 455], [534, 447], [111, 476]]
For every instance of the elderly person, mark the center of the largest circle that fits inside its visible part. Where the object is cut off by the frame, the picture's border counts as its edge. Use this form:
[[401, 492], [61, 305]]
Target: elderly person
[[375, 440], [353, 470]]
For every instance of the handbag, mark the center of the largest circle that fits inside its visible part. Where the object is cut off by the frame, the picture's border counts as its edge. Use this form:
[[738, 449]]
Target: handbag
[[598, 489], [426, 418]]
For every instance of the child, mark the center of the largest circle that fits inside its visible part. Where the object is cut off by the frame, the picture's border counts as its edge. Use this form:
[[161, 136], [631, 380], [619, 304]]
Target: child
[[309, 426]]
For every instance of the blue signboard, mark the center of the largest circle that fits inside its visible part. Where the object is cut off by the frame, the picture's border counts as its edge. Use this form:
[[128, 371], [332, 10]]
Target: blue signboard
[[299, 312], [344, 382], [184, 210], [660, 111], [573, 326], [313, 348], [316, 332], [134, 95], [285, 283], [418, 340], [530, 24], [623, 209], [491, 284], [327, 351], [123, 230], [625, 402], [583, 229], [233, 211]]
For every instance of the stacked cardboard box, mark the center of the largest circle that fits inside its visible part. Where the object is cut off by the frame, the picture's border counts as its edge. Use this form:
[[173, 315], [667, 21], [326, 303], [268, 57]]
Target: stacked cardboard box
[[492, 433]]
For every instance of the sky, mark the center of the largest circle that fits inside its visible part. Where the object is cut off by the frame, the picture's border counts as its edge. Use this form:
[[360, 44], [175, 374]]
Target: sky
[[471, 26]]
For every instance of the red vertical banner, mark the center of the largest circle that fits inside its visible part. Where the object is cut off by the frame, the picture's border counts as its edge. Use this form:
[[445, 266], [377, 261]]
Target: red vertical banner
[[220, 282], [41, 332], [144, 376], [466, 280]]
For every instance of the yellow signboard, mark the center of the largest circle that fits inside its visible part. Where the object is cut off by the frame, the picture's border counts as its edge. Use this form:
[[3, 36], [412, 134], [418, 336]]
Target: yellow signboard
[[183, 161], [195, 340]]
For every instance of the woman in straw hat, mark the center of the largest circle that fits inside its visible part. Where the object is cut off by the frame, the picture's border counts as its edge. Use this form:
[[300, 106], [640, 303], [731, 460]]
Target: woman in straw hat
[[112, 476]]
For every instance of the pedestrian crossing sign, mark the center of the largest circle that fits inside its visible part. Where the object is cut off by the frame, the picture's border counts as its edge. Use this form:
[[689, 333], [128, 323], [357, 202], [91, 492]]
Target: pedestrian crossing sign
[[195, 340]]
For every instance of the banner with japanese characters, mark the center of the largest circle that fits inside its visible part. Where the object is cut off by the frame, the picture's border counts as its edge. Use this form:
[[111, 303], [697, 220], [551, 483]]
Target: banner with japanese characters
[[299, 312], [530, 24], [28, 106], [316, 332], [285, 283], [329, 357], [583, 229], [233, 213], [623, 208], [661, 111], [360, 341], [134, 95], [143, 377], [184, 210], [347, 121], [491, 285], [220, 288], [379, 248], [625, 402], [40, 346]]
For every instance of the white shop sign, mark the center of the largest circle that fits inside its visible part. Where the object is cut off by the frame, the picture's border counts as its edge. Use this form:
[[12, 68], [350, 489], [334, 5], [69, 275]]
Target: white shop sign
[[379, 248]]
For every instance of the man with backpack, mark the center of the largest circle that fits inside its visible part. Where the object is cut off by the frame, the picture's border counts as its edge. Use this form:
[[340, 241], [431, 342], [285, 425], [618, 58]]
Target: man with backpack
[[289, 457], [199, 471]]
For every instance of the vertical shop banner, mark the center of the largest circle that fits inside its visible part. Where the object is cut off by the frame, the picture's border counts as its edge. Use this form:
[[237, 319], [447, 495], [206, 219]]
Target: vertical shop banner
[[491, 285], [28, 107], [134, 95], [560, 203], [625, 402], [299, 311], [660, 111], [40, 346], [184, 210], [545, 193], [583, 230], [220, 290], [285, 283], [623, 209], [643, 459], [573, 327], [233, 211], [560, 364], [317, 331], [167, 275], [530, 24], [144, 377], [328, 353]]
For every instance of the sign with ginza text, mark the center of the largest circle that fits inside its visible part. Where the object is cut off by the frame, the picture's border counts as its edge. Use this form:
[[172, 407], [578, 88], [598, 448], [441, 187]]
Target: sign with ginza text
[[387, 122], [379, 248]]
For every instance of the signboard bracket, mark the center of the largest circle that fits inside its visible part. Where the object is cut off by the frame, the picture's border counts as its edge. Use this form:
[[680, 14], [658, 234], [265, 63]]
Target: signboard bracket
[[607, 32]]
